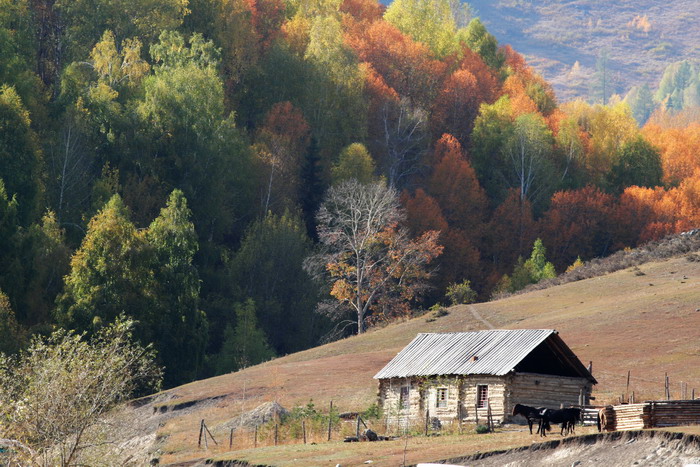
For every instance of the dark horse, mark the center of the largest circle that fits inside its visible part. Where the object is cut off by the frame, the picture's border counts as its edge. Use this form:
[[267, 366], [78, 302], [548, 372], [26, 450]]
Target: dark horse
[[567, 418], [532, 414]]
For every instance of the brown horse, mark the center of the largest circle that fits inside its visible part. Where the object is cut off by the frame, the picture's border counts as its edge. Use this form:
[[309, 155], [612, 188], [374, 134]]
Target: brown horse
[[606, 419]]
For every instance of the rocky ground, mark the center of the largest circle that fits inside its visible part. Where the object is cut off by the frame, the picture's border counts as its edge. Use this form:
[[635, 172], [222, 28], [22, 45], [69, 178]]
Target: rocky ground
[[637, 448]]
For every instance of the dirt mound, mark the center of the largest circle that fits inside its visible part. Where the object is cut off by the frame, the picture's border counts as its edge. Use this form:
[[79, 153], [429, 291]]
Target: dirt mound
[[640, 448], [258, 416]]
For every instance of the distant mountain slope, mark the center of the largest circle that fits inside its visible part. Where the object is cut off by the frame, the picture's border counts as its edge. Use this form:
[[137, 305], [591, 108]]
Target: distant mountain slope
[[641, 37]]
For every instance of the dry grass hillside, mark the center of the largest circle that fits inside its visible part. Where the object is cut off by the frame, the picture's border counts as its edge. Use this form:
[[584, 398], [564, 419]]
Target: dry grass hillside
[[641, 36], [644, 319]]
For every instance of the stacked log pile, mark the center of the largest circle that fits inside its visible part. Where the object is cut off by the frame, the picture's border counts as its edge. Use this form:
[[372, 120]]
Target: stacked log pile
[[674, 413], [651, 414], [632, 416]]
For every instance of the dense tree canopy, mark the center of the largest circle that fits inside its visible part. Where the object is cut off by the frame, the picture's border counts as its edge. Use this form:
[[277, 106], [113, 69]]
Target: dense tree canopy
[[192, 165]]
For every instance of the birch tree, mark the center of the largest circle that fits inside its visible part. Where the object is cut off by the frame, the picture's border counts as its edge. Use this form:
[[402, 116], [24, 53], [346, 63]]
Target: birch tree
[[373, 266], [528, 157]]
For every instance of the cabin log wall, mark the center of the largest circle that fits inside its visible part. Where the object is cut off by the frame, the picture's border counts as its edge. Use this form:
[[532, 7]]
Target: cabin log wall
[[539, 390], [497, 392]]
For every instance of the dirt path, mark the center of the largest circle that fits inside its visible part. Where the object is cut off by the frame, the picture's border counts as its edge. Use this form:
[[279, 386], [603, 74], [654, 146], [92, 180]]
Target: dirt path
[[478, 316]]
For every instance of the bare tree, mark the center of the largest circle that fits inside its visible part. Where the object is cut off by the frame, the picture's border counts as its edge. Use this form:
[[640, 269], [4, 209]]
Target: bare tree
[[70, 171], [370, 262], [405, 140]]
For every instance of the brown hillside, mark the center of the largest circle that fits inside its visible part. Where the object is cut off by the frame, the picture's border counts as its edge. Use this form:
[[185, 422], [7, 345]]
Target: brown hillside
[[641, 37], [645, 320]]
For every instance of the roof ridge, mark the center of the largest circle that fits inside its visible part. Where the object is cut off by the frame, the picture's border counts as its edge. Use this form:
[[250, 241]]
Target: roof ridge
[[487, 330], [498, 350]]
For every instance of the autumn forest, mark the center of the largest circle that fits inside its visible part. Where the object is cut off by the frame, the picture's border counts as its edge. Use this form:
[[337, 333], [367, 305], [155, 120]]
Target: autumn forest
[[250, 178]]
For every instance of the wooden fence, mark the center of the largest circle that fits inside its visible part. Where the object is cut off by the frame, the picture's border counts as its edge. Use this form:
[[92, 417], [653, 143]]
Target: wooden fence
[[651, 414]]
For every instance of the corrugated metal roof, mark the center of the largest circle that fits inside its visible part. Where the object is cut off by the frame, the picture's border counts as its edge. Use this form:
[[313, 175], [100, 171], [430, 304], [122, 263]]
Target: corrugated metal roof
[[497, 352]]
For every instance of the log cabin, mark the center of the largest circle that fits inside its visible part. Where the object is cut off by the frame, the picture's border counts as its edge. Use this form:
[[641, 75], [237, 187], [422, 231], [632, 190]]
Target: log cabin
[[461, 376]]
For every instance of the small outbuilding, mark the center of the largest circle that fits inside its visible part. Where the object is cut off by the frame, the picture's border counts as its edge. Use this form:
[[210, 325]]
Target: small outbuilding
[[461, 375]]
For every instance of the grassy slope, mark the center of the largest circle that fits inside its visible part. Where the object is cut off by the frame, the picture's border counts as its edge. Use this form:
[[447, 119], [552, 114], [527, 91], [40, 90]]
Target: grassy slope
[[554, 34], [624, 321]]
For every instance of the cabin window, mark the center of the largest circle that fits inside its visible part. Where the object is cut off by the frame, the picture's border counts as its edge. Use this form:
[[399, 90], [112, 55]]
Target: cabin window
[[482, 395], [441, 397], [404, 400]]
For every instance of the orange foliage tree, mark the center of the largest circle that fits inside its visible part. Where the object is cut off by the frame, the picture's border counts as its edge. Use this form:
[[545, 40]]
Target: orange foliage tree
[[457, 104], [405, 65], [679, 147], [656, 212]]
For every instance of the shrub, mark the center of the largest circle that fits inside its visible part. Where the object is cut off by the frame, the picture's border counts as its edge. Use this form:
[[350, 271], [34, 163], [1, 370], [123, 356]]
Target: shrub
[[481, 429], [461, 294]]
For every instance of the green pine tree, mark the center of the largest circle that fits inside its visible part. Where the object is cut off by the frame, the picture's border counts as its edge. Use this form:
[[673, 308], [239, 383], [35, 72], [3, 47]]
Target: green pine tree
[[245, 344], [179, 326]]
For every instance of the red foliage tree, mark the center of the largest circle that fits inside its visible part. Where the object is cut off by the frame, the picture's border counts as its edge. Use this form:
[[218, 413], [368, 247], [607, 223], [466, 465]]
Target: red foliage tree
[[511, 232], [486, 80], [455, 187], [457, 106], [282, 143], [361, 12], [267, 17], [423, 213], [579, 223], [514, 60]]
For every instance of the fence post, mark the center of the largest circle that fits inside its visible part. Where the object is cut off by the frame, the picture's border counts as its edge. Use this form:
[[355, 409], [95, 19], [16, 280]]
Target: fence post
[[427, 420], [476, 413], [489, 415], [627, 391], [255, 440], [303, 429], [357, 427], [230, 439], [276, 429], [210, 435], [459, 416], [330, 415], [201, 429]]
